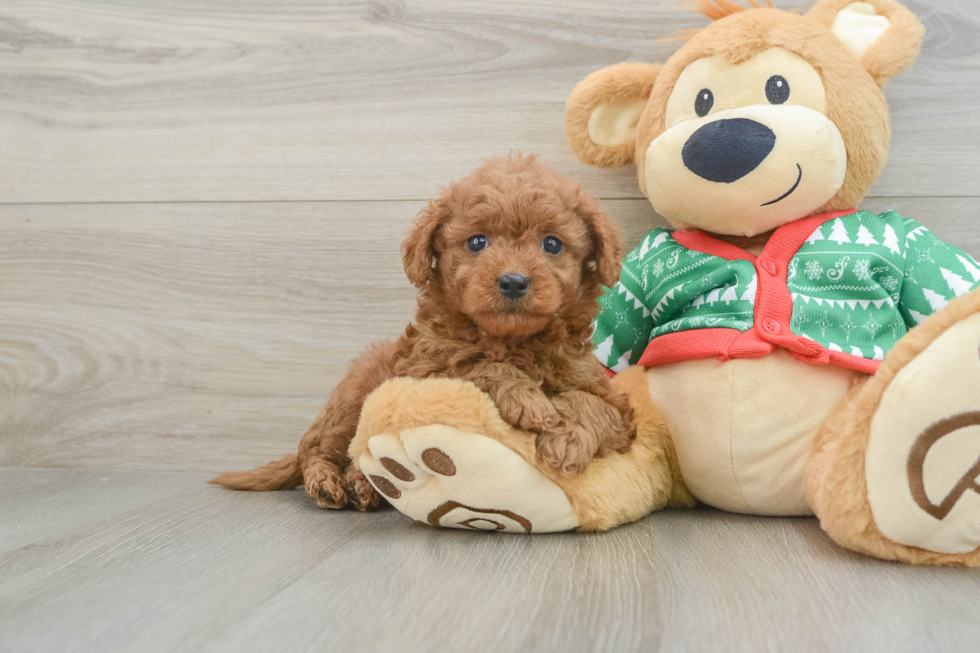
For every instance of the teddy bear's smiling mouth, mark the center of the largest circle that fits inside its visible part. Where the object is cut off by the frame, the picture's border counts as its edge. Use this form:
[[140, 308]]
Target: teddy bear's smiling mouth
[[799, 177]]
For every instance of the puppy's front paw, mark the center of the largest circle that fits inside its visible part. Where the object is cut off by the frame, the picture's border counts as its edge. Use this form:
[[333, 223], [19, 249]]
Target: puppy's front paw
[[568, 449], [326, 484], [531, 411], [619, 438], [360, 493]]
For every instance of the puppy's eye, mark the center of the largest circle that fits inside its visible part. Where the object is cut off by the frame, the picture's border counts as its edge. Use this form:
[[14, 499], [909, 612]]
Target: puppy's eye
[[551, 245], [476, 243], [704, 102], [777, 89]]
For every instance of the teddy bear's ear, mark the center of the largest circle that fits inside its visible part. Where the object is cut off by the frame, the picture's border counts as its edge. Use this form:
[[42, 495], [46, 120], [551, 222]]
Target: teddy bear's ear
[[883, 34], [603, 110]]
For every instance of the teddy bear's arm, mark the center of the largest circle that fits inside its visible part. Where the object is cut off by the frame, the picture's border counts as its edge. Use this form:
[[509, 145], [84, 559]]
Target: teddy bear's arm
[[626, 319], [935, 273]]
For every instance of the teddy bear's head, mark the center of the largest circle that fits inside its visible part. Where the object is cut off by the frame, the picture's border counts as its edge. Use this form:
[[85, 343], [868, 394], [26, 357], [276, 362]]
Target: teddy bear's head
[[762, 118]]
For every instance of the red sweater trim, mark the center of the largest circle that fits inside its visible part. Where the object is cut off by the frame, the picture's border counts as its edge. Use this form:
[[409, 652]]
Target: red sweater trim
[[702, 242], [773, 307], [726, 344]]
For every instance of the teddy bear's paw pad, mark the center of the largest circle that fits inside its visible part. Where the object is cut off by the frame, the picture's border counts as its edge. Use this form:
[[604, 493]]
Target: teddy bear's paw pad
[[442, 476], [922, 465]]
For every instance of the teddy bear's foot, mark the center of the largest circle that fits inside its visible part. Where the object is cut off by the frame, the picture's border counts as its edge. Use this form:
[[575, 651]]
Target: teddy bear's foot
[[439, 451], [446, 477], [922, 464]]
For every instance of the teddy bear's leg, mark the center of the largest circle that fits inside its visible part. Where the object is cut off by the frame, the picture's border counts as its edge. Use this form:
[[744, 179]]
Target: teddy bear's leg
[[895, 473], [438, 450]]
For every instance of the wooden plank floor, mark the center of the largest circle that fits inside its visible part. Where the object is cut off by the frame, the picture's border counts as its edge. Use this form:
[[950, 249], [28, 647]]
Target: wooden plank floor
[[200, 211], [166, 563], [131, 100]]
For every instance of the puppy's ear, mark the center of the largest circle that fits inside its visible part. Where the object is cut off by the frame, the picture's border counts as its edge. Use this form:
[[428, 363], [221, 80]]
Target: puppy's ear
[[882, 34], [608, 244], [418, 248], [603, 111]]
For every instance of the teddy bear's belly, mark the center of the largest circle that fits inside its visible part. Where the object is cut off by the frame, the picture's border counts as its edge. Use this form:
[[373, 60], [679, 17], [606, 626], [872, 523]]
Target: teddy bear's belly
[[742, 428]]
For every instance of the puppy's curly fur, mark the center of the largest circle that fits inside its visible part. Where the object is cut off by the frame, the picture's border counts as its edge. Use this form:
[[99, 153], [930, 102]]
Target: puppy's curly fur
[[532, 354]]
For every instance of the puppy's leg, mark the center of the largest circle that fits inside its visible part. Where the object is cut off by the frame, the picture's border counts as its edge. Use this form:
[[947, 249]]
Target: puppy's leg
[[323, 449], [519, 399], [621, 435], [590, 428], [360, 493]]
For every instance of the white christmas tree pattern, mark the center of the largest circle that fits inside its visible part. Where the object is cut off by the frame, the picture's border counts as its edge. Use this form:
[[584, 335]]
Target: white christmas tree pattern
[[864, 237], [971, 267], [957, 284], [603, 350], [936, 301], [815, 236], [917, 316], [750, 291], [891, 240], [838, 233], [916, 232]]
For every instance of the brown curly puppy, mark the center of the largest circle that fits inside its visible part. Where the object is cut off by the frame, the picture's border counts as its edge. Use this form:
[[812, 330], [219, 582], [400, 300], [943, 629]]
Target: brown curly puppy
[[510, 262]]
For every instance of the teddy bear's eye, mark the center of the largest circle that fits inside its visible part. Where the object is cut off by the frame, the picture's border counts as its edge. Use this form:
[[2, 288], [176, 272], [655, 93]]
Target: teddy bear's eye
[[702, 105], [477, 243], [777, 89]]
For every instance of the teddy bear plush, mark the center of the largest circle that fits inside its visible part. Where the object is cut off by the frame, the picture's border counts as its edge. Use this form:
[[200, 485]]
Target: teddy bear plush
[[784, 352]]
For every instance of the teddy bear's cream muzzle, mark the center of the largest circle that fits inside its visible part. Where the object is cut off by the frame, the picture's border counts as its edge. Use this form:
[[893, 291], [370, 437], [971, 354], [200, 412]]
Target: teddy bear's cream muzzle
[[746, 170]]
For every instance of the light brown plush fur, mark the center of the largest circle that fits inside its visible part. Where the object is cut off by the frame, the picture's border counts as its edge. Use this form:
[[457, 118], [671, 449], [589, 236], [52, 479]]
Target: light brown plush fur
[[624, 82], [618, 488], [835, 479], [531, 355], [854, 101], [624, 487], [897, 48], [835, 476]]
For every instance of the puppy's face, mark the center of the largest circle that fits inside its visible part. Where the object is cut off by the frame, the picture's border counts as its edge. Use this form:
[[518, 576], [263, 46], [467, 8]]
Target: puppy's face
[[511, 271], [513, 245]]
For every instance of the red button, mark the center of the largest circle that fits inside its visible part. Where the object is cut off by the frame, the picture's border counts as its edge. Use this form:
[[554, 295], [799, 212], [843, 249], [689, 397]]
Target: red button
[[770, 325], [771, 268]]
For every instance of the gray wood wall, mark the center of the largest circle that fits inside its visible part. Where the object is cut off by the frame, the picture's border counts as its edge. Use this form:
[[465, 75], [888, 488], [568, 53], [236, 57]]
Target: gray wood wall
[[201, 203]]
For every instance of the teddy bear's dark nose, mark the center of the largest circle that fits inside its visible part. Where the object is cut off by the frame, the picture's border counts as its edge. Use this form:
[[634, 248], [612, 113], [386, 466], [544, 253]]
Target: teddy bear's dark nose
[[727, 150], [512, 286]]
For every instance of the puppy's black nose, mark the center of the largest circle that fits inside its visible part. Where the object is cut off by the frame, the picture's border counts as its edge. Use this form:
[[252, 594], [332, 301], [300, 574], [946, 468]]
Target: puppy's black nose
[[727, 150], [512, 286]]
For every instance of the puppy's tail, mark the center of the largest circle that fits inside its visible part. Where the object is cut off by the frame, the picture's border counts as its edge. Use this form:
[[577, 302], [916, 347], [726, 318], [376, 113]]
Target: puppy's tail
[[278, 475]]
